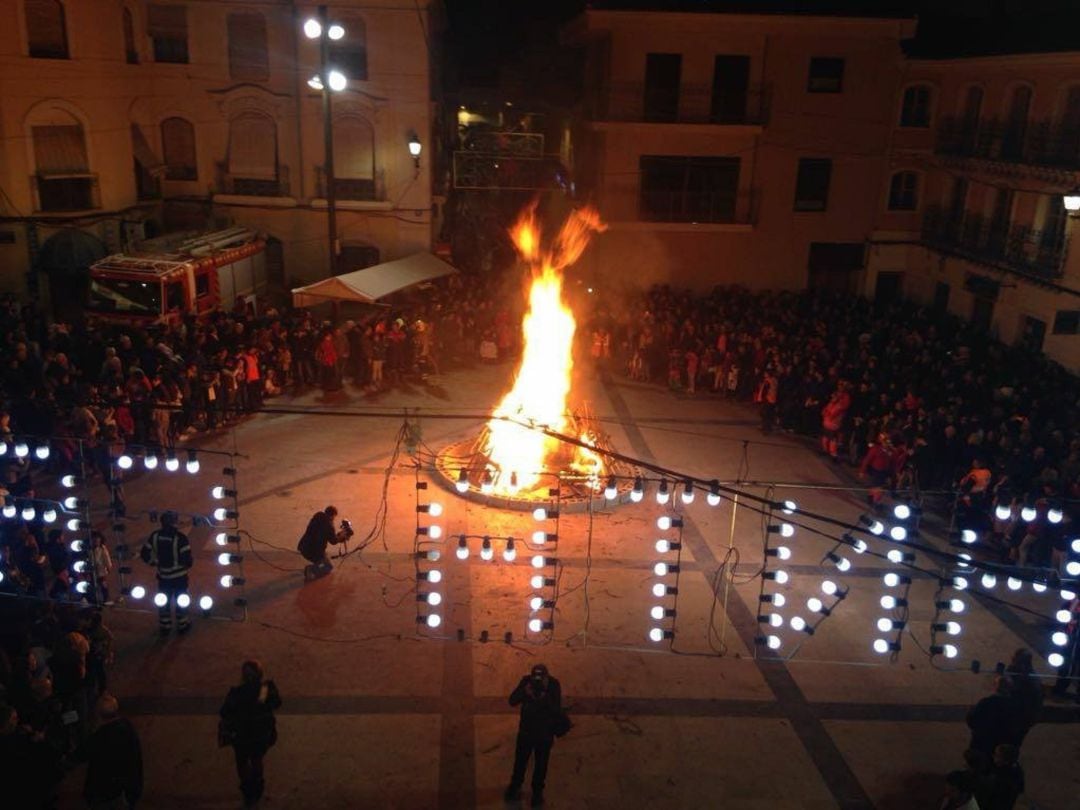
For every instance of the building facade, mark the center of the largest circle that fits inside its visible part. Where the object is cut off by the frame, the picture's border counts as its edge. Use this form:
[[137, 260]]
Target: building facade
[[972, 215], [120, 119], [736, 148]]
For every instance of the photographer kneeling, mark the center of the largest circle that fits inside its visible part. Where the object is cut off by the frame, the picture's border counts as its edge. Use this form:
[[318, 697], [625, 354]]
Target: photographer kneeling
[[319, 534]]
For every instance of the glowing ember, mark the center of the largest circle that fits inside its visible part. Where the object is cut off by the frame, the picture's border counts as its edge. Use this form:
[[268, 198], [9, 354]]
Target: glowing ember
[[516, 454]]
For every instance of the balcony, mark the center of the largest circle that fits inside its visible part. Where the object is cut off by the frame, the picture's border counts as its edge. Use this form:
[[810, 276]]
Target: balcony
[[1044, 144], [626, 102], [350, 188], [1016, 248], [59, 193], [713, 207], [241, 186]]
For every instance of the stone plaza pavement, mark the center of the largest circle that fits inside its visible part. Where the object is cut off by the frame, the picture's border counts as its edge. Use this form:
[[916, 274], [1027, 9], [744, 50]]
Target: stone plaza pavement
[[377, 716]]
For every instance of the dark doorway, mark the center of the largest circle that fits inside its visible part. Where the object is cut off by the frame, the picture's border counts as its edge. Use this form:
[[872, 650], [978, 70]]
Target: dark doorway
[[731, 77], [982, 312], [275, 262], [662, 76], [941, 298], [888, 287], [835, 266], [356, 257], [1032, 334]]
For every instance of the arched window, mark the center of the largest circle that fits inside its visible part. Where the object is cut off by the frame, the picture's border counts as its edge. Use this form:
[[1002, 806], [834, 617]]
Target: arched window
[[62, 177], [915, 111], [904, 191], [349, 54], [248, 58], [252, 161], [45, 31], [1016, 123], [354, 158], [178, 147], [131, 52]]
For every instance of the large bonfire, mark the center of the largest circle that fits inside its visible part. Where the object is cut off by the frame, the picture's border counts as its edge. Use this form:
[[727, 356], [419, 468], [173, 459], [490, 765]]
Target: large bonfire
[[517, 455]]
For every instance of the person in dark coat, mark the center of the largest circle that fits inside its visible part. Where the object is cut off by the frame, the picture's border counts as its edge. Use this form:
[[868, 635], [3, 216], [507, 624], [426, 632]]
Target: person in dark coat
[[114, 776], [248, 717], [995, 719], [319, 534], [1027, 690], [540, 698]]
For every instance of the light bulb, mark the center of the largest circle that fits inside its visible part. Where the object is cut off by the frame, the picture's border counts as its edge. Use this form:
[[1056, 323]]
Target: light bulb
[[881, 646], [814, 604], [657, 612], [960, 583], [783, 552], [891, 580], [462, 551], [335, 31], [224, 558], [49, 515], [434, 620], [73, 525], [28, 513], [659, 589], [539, 537], [67, 481], [226, 581], [538, 561], [172, 464], [1028, 514], [79, 566], [789, 507], [77, 546], [1002, 512], [662, 494], [950, 651], [206, 602], [536, 625], [312, 28], [968, 536], [1055, 659], [1067, 595], [898, 533], [612, 489], [902, 511], [434, 531], [888, 602], [877, 527], [859, 546], [773, 642], [965, 560], [663, 523], [510, 552], [688, 493], [462, 483], [712, 498], [782, 577], [1038, 587], [183, 600], [895, 555], [217, 493], [1072, 568], [337, 81], [1013, 583], [434, 577], [82, 586], [435, 509], [1059, 638], [221, 539], [42, 452], [828, 587], [884, 625], [779, 600], [660, 569], [843, 564], [656, 634], [161, 599], [1054, 514], [150, 462], [638, 492], [192, 465], [952, 628], [776, 620], [434, 598], [536, 602], [1063, 616], [486, 551], [988, 581], [956, 606], [663, 546], [219, 513], [798, 623], [21, 450], [539, 513], [1075, 545], [138, 592], [787, 530]]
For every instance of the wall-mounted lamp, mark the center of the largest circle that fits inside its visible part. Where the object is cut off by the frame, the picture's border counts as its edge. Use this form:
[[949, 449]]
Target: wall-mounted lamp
[[415, 147], [1072, 202]]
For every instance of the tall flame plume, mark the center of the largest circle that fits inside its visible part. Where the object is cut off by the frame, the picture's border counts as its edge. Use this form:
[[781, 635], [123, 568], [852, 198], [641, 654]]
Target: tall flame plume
[[516, 454]]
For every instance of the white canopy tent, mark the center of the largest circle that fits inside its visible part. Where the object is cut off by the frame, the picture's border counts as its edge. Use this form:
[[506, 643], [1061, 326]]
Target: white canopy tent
[[372, 283]]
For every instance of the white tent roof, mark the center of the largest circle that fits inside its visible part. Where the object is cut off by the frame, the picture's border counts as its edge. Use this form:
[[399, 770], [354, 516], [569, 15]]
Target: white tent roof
[[372, 283]]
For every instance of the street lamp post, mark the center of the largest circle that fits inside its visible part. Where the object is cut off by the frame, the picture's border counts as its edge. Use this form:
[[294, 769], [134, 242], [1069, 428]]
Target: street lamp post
[[328, 81]]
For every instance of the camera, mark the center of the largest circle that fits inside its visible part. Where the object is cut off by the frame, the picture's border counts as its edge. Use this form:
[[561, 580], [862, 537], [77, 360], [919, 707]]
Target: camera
[[347, 529]]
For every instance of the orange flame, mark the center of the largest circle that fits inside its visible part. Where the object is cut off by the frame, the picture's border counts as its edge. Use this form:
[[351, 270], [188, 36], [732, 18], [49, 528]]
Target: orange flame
[[543, 379]]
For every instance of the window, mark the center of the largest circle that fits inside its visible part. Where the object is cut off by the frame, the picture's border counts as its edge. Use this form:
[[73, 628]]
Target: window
[[167, 27], [915, 111], [904, 191], [62, 168], [1012, 141], [688, 189], [1067, 322], [248, 59], [131, 53], [349, 54], [731, 79], [178, 147], [812, 184], [202, 285], [826, 75], [969, 119], [354, 158], [252, 160], [662, 76], [45, 31]]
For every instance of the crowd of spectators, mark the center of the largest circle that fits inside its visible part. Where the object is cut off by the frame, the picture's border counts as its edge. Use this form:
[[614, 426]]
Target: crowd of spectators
[[912, 398]]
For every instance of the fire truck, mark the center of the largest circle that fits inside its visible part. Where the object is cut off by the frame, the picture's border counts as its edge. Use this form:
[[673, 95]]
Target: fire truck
[[166, 281]]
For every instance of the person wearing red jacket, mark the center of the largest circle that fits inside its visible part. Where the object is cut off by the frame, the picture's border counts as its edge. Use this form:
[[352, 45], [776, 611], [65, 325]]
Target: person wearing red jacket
[[877, 467], [832, 420]]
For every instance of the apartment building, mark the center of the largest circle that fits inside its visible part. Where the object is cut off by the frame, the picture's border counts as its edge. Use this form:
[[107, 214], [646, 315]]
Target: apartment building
[[973, 221], [121, 119], [736, 148]]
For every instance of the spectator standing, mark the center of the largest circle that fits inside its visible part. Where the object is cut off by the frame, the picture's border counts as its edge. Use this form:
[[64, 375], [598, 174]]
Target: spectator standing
[[540, 698], [249, 726], [169, 551], [113, 753], [1003, 783], [995, 719]]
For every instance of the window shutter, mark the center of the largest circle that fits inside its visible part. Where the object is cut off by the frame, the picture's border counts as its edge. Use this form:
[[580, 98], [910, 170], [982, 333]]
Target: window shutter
[[60, 150]]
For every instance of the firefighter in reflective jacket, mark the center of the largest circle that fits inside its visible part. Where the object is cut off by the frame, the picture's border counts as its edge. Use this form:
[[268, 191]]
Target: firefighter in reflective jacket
[[167, 549]]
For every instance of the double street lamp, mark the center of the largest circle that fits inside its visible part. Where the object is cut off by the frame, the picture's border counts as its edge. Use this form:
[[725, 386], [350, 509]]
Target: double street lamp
[[329, 80]]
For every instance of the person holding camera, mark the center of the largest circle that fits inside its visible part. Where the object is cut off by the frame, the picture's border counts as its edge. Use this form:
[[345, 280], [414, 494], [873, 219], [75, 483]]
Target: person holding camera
[[319, 534], [540, 698]]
